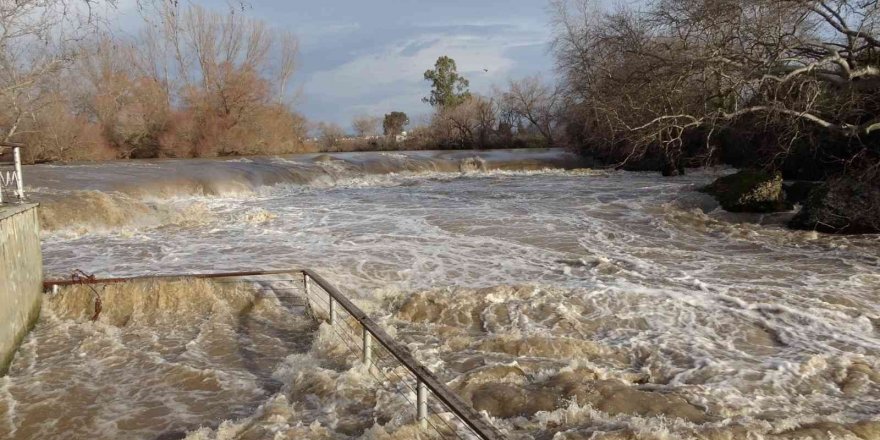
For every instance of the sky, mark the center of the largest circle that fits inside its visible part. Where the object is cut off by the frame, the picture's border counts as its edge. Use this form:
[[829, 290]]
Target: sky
[[368, 57]]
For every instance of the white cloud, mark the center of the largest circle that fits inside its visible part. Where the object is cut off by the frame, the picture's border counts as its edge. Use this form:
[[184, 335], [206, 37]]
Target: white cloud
[[313, 33], [395, 65], [377, 79], [405, 101]]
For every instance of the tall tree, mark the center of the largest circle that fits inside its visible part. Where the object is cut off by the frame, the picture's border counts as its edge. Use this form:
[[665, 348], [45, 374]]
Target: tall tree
[[365, 126], [394, 123], [448, 88], [538, 103]]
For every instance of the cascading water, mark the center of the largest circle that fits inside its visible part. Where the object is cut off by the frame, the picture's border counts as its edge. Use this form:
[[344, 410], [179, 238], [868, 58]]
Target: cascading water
[[566, 303]]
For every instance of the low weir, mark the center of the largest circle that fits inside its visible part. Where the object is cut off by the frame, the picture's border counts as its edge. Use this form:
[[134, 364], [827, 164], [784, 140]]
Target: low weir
[[436, 408]]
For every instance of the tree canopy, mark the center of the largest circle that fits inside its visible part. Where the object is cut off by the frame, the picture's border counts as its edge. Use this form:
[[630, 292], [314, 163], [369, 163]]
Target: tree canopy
[[448, 88], [394, 123], [365, 126]]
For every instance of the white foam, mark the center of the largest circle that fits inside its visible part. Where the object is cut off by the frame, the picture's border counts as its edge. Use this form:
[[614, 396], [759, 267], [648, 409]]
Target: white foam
[[751, 322]]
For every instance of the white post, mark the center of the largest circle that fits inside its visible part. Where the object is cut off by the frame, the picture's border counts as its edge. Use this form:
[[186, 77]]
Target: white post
[[332, 309], [368, 347], [422, 403], [18, 176]]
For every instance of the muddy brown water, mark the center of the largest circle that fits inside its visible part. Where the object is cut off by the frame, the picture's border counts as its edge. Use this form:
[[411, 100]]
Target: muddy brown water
[[565, 303]]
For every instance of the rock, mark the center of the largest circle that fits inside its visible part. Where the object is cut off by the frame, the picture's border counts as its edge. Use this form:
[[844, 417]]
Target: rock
[[671, 169], [799, 192], [843, 205], [749, 191]]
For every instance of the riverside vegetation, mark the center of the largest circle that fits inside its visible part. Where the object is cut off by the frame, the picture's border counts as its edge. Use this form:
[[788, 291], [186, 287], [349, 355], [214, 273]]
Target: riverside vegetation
[[789, 90], [190, 83], [199, 83]]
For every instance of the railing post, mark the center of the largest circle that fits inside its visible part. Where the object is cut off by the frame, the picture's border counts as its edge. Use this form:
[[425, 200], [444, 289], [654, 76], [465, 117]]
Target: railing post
[[307, 286], [368, 347], [332, 309], [422, 403], [425, 380], [18, 175]]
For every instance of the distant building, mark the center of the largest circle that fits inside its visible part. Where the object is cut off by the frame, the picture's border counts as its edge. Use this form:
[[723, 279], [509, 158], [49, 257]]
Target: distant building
[[400, 138]]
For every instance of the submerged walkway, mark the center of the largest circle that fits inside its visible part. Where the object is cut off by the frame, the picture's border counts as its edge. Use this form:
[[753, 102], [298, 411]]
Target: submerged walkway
[[245, 346]]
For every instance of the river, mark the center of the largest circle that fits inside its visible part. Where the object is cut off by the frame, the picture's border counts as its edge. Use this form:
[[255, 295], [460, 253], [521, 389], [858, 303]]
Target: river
[[567, 303]]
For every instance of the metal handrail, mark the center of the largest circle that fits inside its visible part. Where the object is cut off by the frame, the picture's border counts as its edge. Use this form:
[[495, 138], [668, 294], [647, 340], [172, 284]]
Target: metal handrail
[[47, 284], [458, 407], [17, 174], [372, 330]]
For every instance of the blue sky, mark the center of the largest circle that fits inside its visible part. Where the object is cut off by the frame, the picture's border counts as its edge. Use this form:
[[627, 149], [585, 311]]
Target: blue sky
[[368, 56]]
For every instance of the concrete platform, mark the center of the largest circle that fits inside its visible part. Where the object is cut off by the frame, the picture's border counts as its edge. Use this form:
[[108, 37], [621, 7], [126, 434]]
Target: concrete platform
[[21, 277]]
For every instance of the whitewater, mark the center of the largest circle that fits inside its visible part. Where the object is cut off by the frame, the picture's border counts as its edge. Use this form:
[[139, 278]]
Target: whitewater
[[564, 302]]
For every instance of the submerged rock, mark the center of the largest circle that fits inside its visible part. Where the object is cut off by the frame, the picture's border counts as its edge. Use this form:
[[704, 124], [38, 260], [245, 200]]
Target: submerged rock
[[749, 191], [841, 206]]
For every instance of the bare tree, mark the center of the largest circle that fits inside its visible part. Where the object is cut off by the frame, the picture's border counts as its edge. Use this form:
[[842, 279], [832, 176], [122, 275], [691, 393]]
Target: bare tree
[[330, 135], [469, 124], [34, 45], [288, 48], [193, 82], [536, 102], [366, 126], [232, 74], [648, 78]]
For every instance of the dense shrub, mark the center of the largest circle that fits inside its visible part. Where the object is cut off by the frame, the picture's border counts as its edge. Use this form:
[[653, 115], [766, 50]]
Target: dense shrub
[[165, 92]]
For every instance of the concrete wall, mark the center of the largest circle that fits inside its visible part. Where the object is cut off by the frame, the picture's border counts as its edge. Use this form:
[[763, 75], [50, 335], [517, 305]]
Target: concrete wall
[[21, 277]]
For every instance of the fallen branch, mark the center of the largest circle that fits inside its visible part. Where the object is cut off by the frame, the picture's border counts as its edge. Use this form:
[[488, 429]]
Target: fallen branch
[[88, 280]]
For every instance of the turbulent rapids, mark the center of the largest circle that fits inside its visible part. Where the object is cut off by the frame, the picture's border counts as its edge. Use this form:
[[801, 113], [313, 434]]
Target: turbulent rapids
[[563, 302]]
